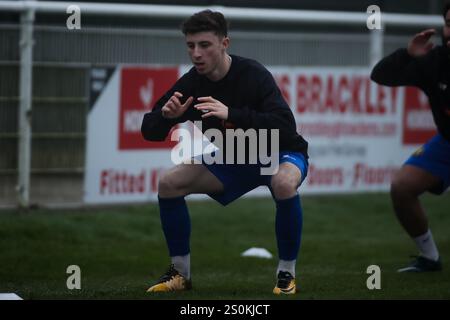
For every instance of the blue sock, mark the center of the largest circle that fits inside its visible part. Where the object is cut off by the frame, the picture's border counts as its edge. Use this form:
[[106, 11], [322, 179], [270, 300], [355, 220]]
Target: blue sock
[[288, 227], [176, 225]]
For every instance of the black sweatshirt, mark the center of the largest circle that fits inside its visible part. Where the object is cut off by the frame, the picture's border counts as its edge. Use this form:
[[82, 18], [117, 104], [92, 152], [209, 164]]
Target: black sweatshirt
[[430, 73], [251, 95]]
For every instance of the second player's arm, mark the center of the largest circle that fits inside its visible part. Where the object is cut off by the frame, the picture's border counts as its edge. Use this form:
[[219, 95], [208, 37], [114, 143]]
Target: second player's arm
[[398, 69], [405, 67]]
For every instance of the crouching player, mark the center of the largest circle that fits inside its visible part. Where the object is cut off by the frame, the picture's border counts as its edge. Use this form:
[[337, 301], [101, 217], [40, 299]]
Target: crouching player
[[226, 91]]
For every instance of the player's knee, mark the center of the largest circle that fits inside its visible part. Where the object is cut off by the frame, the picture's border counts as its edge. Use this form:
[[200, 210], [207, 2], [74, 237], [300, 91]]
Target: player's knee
[[401, 188], [168, 185], [283, 186], [397, 187], [164, 184]]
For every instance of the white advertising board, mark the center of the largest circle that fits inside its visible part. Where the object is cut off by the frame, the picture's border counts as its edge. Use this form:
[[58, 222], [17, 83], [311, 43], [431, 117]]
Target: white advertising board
[[359, 133]]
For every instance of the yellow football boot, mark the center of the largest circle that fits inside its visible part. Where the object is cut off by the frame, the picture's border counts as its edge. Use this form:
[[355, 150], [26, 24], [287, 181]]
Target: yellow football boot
[[172, 280], [285, 284]]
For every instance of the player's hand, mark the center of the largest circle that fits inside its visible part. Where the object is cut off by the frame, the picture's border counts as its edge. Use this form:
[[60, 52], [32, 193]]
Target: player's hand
[[173, 108], [212, 108], [420, 44]]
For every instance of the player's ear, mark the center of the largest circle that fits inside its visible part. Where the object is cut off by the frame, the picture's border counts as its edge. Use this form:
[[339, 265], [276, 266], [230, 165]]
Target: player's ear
[[225, 42]]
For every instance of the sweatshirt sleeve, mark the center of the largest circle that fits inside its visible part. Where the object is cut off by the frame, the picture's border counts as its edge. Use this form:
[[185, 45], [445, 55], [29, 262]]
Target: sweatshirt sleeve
[[271, 113], [399, 69], [154, 126]]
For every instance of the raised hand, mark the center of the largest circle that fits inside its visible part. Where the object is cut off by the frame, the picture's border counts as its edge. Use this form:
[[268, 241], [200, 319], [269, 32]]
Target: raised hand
[[212, 107], [420, 44], [173, 107]]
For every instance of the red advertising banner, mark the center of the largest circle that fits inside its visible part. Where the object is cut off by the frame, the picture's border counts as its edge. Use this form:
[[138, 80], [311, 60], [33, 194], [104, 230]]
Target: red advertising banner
[[140, 88], [418, 124]]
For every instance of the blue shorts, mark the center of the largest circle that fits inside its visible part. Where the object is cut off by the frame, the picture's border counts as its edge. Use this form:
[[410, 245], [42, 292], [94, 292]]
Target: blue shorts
[[238, 179], [434, 157]]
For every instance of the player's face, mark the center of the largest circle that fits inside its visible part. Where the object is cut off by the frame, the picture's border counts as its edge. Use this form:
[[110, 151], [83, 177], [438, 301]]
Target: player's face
[[446, 30], [207, 51]]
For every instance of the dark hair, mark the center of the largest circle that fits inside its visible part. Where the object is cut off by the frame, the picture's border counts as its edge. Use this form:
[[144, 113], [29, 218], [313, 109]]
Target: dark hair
[[446, 8], [206, 20]]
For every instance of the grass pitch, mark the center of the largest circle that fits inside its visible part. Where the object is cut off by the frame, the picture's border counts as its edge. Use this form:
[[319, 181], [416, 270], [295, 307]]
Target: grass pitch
[[121, 251]]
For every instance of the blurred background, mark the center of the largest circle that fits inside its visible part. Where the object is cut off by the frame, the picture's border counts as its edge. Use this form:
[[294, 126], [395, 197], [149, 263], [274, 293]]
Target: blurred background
[[62, 60]]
